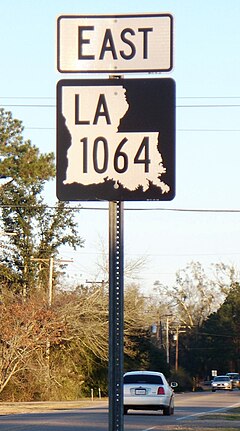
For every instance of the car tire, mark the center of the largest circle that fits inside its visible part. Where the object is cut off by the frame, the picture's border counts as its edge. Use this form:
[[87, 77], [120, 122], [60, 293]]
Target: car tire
[[213, 390], [169, 410]]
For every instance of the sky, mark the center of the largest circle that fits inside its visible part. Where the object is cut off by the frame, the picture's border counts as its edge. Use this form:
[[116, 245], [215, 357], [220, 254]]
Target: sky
[[202, 222]]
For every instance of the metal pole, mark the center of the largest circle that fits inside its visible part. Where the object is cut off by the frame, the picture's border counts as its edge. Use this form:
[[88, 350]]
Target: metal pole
[[116, 321], [50, 282], [167, 340], [177, 340]]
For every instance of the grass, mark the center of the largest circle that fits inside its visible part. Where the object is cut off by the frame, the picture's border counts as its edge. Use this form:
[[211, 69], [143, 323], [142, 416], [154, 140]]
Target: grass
[[228, 415], [183, 428]]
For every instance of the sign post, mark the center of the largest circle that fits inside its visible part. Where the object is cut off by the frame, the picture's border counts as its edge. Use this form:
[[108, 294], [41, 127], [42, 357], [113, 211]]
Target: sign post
[[115, 137], [116, 319]]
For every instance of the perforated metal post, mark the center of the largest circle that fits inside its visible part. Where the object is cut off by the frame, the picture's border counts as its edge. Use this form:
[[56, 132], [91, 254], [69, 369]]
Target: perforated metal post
[[115, 367]]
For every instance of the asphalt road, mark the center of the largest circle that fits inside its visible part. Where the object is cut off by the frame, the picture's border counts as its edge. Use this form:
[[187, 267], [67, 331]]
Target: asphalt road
[[190, 410]]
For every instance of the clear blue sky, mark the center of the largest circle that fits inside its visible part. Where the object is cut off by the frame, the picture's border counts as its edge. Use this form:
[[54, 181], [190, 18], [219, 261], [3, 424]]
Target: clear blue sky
[[207, 75]]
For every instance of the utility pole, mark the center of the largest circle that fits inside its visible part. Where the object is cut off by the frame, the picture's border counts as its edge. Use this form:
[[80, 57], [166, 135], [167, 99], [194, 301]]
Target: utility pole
[[167, 336], [176, 358], [102, 284], [50, 261], [7, 233], [176, 337], [50, 282], [167, 339]]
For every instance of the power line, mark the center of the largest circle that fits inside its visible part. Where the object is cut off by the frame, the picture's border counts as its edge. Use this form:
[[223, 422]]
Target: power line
[[178, 106], [148, 255], [73, 208], [208, 130], [209, 106], [27, 97], [206, 97], [178, 130], [39, 128], [29, 105], [179, 97]]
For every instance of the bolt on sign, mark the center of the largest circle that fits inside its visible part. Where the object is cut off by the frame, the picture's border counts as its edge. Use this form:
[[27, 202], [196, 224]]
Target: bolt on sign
[[116, 139], [115, 43]]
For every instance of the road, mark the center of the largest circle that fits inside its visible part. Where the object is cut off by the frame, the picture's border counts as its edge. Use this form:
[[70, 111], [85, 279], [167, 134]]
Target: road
[[189, 411]]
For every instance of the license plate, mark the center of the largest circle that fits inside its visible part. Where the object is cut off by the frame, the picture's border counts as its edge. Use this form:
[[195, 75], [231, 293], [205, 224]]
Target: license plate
[[140, 391]]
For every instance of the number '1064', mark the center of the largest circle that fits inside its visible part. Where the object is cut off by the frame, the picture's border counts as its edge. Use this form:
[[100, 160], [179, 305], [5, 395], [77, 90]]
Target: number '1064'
[[120, 159]]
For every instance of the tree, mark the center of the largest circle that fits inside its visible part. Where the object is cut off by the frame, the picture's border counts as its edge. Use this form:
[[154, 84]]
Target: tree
[[132, 267], [76, 326], [143, 350], [222, 331], [20, 161], [79, 363], [195, 295], [216, 344], [39, 230], [24, 329]]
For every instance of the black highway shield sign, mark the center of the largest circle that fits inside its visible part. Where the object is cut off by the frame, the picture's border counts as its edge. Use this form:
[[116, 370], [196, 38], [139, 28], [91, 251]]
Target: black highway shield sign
[[116, 139]]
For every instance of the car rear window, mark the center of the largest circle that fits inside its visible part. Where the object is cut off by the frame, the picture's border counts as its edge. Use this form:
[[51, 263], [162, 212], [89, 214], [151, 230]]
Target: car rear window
[[141, 379], [221, 379], [233, 375]]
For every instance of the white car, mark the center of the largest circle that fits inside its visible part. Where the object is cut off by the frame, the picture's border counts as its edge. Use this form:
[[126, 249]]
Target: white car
[[221, 382], [235, 379], [147, 390]]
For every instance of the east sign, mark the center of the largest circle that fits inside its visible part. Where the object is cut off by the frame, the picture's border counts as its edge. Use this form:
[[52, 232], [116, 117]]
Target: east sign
[[115, 43]]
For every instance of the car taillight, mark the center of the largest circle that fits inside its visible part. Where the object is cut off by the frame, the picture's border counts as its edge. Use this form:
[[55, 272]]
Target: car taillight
[[161, 391]]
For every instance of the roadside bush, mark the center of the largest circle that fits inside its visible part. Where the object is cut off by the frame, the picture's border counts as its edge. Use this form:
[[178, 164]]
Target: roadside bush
[[183, 379]]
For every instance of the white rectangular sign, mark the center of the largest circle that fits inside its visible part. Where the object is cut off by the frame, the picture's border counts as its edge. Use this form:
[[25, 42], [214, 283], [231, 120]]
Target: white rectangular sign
[[115, 43]]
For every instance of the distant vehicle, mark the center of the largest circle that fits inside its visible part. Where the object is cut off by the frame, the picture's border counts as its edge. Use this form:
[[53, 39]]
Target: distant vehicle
[[148, 390], [235, 378], [221, 382]]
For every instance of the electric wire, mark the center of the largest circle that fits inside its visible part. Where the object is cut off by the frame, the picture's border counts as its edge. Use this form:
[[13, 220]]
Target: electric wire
[[177, 106], [180, 130], [94, 208], [29, 105]]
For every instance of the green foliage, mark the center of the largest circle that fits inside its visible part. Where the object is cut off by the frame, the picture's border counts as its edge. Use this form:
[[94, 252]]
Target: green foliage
[[144, 354], [39, 230], [216, 344], [20, 160], [78, 359], [61, 350], [183, 379], [223, 328]]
